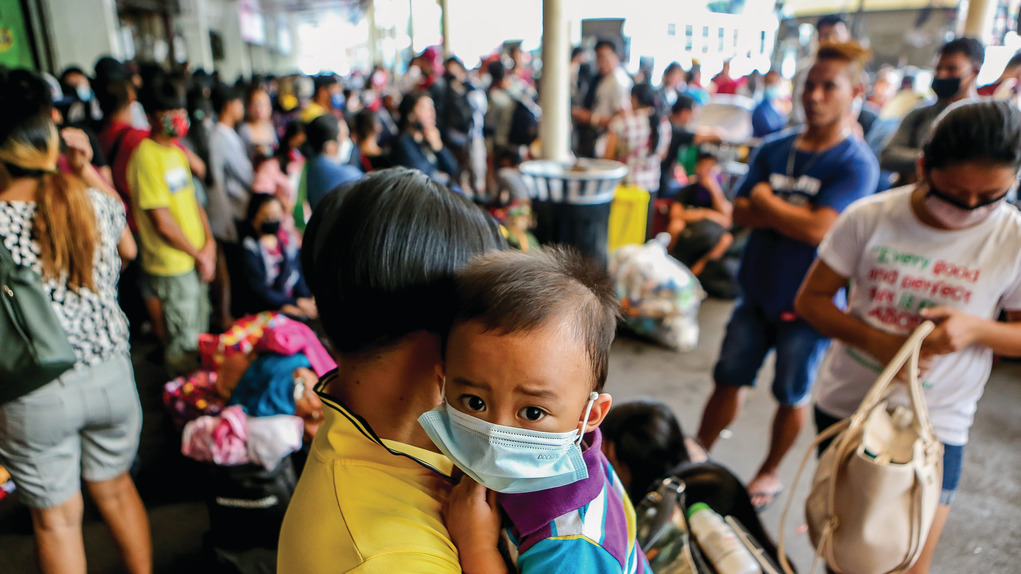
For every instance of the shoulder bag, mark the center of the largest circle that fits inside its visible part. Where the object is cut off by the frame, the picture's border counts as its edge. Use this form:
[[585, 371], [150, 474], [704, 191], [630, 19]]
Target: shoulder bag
[[33, 346], [877, 485]]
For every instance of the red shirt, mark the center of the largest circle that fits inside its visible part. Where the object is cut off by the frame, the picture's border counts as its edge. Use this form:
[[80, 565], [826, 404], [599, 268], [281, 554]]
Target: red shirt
[[110, 137]]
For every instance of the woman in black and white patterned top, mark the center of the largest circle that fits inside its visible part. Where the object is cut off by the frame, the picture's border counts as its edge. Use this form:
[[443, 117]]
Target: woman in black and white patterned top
[[70, 228]]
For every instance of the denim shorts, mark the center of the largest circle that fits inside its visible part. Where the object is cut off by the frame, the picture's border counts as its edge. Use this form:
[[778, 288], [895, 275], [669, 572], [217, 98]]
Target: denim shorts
[[953, 457], [751, 335], [85, 424]]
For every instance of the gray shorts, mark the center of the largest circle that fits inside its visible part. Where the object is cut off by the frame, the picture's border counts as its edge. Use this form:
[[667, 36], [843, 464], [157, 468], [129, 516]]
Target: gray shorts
[[85, 424]]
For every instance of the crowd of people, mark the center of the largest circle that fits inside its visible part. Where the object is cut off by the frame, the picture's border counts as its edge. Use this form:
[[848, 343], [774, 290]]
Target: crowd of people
[[173, 202]]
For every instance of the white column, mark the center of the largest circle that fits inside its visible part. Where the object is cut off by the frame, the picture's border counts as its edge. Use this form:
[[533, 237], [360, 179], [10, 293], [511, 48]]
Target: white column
[[193, 25], [82, 31], [555, 126], [445, 27], [979, 20]]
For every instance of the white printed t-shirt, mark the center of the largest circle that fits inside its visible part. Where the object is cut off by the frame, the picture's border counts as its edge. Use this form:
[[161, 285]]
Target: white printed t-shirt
[[897, 265]]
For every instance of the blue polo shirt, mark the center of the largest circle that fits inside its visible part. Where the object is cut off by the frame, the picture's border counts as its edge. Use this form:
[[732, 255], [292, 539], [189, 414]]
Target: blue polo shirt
[[774, 265]]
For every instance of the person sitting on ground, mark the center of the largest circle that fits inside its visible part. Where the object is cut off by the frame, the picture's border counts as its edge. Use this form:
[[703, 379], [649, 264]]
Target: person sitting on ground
[[700, 218], [370, 496], [526, 358], [269, 264], [420, 146]]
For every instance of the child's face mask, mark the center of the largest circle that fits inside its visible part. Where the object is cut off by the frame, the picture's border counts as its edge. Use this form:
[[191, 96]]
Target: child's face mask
[[508, 459]]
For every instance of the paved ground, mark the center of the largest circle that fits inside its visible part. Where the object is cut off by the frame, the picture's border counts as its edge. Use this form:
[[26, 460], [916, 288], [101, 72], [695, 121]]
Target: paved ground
[[982, 535]]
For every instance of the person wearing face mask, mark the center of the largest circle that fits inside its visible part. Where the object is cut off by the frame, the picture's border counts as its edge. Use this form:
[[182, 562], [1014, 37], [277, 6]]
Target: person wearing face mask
[[327, 168], [947, 249], [955, 80], [525, 364], [177, 244], [327, 98], [768, 118], [271, 272]]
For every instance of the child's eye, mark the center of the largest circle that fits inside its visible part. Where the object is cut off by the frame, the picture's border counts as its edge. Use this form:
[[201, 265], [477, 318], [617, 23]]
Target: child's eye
[[533, 413], [473, 403]]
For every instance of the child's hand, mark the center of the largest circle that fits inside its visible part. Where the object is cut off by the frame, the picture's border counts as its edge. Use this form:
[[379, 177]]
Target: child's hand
[[473, 520]]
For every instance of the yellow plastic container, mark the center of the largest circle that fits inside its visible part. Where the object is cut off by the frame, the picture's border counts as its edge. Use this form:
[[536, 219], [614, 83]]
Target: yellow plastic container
[[629, 215]]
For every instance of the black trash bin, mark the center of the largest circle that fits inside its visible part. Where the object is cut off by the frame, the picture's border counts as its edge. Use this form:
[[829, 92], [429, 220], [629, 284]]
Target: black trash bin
[[571, 202]]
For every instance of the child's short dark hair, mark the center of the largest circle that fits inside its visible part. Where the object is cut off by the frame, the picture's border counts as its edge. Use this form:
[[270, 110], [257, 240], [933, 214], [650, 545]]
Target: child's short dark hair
[[706, 155], [513, 291]]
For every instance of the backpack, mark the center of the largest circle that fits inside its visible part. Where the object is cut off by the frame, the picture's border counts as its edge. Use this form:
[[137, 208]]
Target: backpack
[[524, 125], [457, 111]]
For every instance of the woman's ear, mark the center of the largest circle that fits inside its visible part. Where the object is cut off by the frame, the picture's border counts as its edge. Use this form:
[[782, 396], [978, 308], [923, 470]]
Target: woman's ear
[[600, 408]]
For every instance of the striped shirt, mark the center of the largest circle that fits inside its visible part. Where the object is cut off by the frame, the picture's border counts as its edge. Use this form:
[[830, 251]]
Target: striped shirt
[[588, 526]]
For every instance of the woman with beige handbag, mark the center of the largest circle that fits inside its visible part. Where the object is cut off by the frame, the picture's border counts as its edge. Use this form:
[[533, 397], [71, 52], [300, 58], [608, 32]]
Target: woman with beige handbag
[[947, 249]]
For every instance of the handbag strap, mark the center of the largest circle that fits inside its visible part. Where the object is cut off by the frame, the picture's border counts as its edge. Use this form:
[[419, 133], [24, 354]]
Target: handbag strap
[[909, 352], [5, 255]]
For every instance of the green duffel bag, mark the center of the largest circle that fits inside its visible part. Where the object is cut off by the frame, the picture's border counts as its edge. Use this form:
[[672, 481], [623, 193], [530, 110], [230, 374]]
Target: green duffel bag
[[33, 346]]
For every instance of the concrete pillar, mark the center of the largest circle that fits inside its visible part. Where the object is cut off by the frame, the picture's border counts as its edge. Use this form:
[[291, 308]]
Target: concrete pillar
[[445, 27], [193, 25], [979, 20], [82, 31], [555, 126]]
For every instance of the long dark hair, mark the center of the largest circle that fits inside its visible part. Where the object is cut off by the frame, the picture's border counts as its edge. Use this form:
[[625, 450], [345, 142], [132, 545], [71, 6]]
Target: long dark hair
[[645, 96]]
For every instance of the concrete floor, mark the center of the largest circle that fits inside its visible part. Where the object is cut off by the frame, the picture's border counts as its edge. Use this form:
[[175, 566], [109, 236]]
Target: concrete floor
[[981, 536]]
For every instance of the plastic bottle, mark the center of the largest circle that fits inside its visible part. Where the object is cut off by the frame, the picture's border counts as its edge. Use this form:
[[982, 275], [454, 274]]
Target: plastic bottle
[[719, 542]]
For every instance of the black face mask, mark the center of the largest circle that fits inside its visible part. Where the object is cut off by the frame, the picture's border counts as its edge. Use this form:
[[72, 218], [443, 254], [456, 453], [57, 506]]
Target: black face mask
[[946, 88], [269, 227]]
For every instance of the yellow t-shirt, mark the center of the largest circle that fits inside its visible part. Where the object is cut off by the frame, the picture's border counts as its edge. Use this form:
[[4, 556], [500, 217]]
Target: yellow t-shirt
[[366, 505], [312, 111], [159, 176]]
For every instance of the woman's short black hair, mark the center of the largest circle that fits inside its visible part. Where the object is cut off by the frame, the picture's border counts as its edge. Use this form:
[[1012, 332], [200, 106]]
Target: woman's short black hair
[[323, 129], [379, 255], [366, 124], [985, 131], [648, 440]]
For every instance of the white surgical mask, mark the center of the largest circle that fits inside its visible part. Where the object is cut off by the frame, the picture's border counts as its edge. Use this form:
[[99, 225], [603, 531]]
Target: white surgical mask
[[508, 459], [955, 216], [343, 151]]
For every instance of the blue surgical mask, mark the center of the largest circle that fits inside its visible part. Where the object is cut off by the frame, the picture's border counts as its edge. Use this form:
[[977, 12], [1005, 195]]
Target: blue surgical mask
[[771, 92], [508, 459], [337, 101]]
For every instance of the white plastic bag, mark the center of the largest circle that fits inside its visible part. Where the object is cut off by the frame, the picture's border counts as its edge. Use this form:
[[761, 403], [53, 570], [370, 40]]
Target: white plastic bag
[[659, 296]]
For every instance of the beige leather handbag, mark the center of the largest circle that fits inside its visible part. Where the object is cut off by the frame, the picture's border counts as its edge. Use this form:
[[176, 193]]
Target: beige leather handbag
[[877, 485]]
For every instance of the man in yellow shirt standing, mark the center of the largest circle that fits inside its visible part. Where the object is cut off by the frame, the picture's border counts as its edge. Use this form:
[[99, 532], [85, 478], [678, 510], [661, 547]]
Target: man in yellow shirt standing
[[178, 250], [372, 491]]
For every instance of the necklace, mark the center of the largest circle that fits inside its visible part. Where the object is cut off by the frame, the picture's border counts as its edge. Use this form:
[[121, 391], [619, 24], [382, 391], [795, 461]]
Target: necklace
[[815, 154]]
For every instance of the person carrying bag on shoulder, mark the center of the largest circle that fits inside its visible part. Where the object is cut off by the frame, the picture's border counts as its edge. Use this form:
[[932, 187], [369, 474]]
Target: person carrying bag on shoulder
[[69, 407], [946, 249]]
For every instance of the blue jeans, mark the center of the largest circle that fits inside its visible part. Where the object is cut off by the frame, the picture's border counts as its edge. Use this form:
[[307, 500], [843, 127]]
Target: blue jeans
[[750, 336], [953, 457]]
